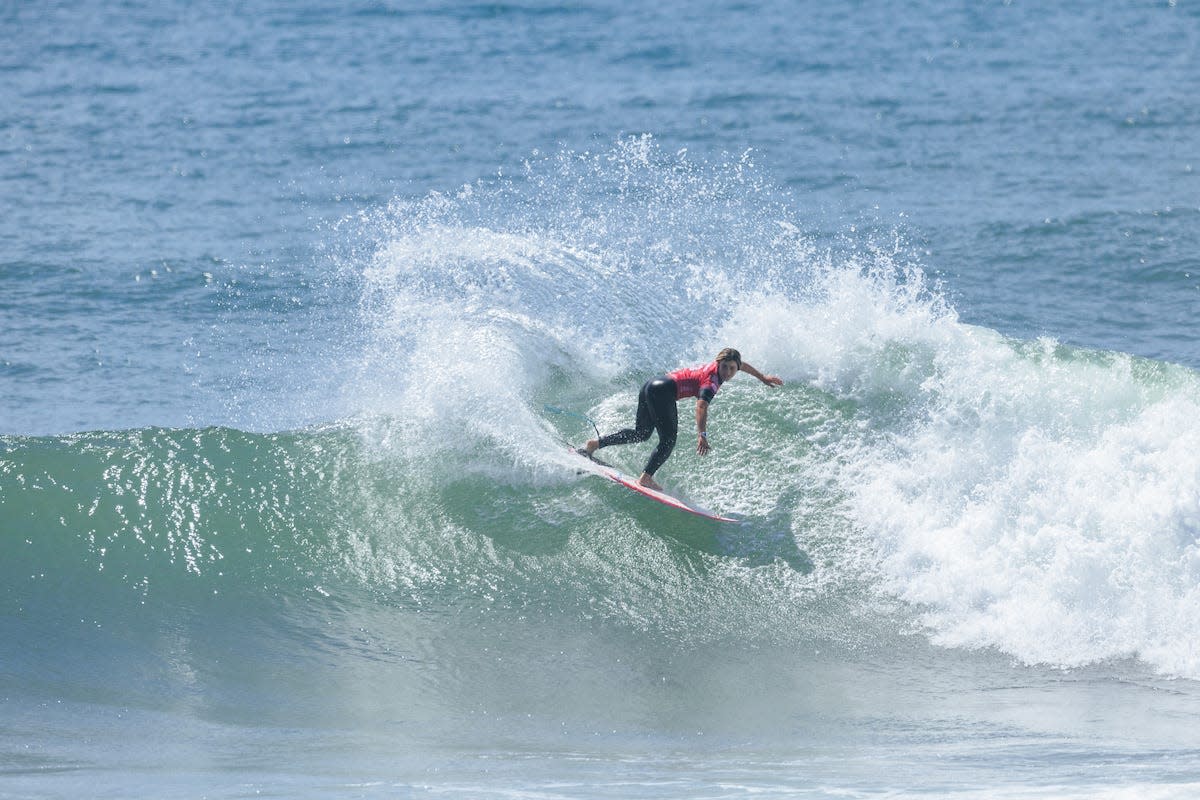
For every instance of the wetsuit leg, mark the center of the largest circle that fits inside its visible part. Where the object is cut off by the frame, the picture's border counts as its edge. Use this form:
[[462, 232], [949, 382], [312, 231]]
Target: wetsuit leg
[[664, 410], [642, 426]]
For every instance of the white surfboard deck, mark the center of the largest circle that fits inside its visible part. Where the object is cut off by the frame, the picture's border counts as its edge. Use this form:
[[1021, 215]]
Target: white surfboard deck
[[591, 464]]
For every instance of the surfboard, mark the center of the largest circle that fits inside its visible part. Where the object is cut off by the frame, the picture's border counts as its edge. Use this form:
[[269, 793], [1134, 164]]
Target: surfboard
[[598, 467]]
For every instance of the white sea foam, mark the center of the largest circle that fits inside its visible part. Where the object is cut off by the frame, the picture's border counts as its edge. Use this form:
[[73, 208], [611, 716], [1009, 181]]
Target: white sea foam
[[1024, 496]]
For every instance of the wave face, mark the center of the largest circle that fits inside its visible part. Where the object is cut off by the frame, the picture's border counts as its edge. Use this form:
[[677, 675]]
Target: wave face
[[916, 475]]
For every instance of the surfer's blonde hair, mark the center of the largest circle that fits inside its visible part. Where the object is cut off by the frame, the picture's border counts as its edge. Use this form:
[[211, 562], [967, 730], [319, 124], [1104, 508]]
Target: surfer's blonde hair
[[729, 354]]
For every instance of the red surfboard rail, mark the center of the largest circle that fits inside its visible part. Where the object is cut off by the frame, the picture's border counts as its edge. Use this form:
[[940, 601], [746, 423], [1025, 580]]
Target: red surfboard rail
[[592, 464]]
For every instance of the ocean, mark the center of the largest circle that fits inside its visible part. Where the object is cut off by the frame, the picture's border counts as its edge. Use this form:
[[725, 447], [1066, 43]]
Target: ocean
[[301, 303]]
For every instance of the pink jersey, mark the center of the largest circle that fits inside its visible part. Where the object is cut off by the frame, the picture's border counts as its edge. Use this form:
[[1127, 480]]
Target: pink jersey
[[702, 382]]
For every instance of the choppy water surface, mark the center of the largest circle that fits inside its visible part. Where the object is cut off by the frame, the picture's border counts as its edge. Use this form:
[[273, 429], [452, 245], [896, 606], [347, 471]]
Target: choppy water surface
[[287, 294]]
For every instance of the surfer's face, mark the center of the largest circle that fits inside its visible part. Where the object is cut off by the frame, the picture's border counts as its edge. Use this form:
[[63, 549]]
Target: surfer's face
[[728, 369]]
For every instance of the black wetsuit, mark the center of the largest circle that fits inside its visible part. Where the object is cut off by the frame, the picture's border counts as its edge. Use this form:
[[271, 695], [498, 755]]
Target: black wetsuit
[[657, 410]]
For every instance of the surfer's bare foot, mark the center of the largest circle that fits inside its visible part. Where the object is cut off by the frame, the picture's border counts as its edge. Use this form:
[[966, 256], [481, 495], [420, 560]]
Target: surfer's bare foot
[[591, 446], [649, 482]]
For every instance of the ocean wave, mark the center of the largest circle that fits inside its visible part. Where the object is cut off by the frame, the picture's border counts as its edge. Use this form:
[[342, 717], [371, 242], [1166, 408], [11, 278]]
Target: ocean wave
[[916, 473], [974, 477]]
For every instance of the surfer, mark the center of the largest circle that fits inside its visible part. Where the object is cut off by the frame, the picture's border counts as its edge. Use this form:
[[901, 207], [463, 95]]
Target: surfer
[[658, 410]]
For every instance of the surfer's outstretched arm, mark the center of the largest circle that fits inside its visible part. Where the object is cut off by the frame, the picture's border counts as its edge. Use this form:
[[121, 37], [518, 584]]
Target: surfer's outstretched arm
[[702, 447], [769, 380]]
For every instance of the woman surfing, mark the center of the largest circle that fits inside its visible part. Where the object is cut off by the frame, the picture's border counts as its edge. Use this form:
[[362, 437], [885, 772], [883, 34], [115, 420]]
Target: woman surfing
[[658, 409]]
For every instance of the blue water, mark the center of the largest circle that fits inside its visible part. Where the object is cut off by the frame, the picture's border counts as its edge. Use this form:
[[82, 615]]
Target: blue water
[[286, 290]]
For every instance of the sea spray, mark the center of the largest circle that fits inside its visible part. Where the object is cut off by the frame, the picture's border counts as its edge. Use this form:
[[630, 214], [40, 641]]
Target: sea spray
[[973, 477]]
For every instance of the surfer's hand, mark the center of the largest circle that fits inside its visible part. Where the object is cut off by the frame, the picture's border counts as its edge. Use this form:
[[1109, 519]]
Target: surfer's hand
[[772, 380], [702, 447]]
